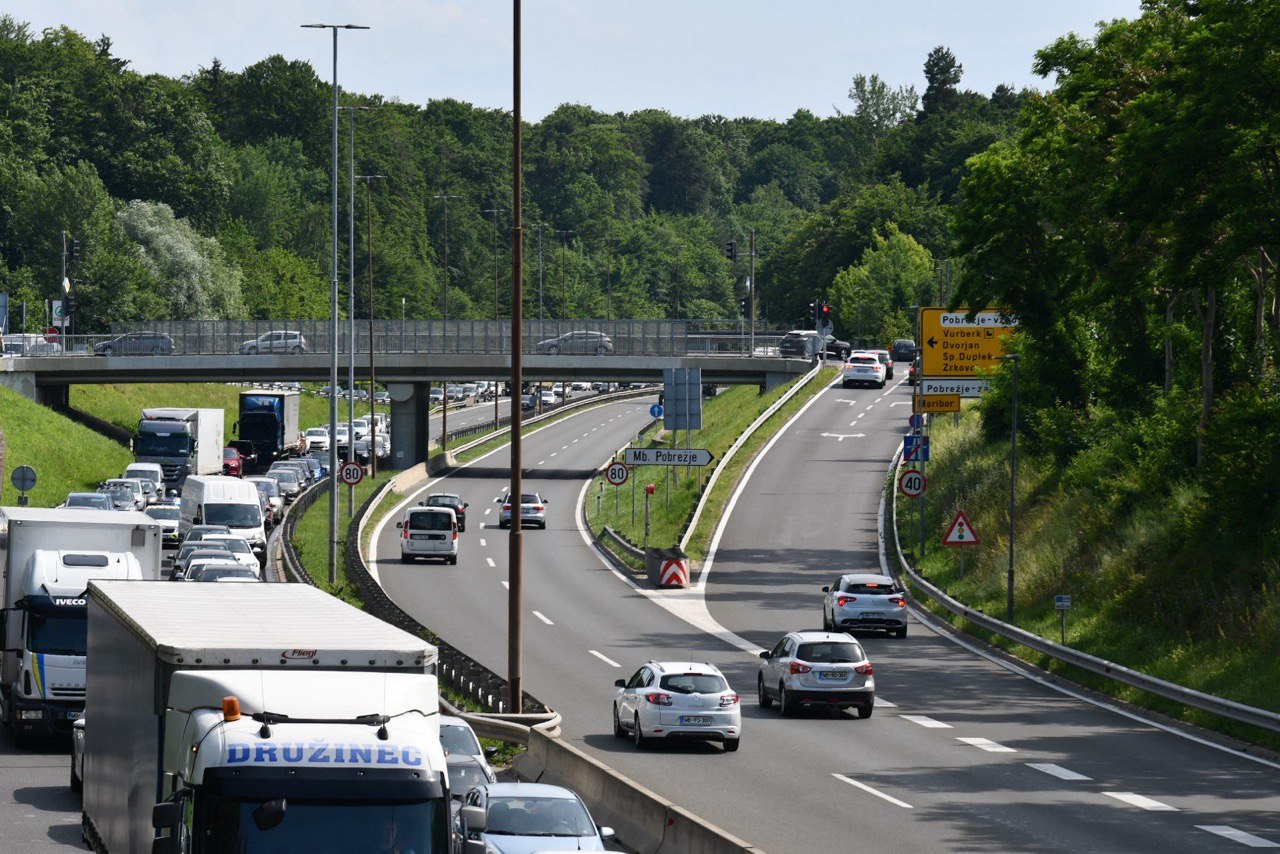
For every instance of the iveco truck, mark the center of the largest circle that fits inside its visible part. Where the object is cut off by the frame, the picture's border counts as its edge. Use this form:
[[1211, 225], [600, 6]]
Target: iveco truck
[[49, 555], [269, 419], [257, 717], [182, 441]]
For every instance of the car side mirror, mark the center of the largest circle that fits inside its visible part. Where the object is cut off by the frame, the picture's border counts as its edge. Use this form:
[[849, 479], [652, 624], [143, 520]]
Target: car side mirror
[[826, 590], [490, 752], [422, 504], [474, 818], [399, 524], [465, 505], [619, 683], [606, 833], [765, 656]]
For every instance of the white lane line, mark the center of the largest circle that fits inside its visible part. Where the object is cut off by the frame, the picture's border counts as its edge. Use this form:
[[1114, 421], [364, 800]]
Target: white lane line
[[901, 403], [925, 721], [553, 453], [1057, 771], [882, 703], [490, 560], [506, 584], [1136, 800], [542, 462], [987, 745], [483, 543], [488, 510], [864, 787], [542, 617], [1229, 832], [564, 447], [604, 658], [575, 441]]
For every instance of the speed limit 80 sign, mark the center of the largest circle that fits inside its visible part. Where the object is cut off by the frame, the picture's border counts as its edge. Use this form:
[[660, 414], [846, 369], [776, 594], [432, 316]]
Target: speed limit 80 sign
[[617, 473], [911, 483], [351, 473]]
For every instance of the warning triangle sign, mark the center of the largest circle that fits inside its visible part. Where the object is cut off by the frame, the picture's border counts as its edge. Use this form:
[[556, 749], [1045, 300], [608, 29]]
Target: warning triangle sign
[[960, 533]]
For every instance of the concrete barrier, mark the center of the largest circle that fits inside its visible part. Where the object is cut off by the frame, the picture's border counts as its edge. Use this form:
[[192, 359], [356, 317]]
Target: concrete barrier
[[686, 833]]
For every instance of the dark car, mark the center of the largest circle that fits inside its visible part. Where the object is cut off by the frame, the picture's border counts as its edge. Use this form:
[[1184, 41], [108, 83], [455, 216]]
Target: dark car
[[453, 502], [903, 350], [136, 344], [913, 372], [232, 462], [579, 342], [802, 343]]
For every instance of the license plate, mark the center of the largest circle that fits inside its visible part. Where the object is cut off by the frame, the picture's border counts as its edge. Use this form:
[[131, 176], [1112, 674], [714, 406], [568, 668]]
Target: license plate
[[694, 719], [871, 615], [419, 536], [830, 675], [73, 715], [528, 511]]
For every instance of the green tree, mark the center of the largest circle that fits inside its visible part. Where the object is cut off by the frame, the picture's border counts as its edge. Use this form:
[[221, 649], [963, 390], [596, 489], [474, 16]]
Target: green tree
[[894, 272]]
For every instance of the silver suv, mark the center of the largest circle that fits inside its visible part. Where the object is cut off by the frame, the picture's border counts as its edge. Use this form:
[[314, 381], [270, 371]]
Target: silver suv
[[677, 699], [812, 668], [865, 601]]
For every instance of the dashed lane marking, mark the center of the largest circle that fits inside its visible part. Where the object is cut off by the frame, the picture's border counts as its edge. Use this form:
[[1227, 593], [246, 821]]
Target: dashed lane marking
[[879, 794], [542, 617], [490, 560], [925, 721], [1136, 800], [987, 745], [1057, 771], [606, 659], [1228, 832]]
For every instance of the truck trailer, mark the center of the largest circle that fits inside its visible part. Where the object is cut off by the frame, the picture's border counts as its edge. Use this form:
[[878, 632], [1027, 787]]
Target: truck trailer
[[257, 717], [182, 441], [48, 557], [269, 420]]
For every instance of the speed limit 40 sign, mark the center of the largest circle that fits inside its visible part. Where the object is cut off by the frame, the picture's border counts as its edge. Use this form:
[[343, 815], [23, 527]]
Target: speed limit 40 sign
[[911, 483], [351, 473], [617, 473]]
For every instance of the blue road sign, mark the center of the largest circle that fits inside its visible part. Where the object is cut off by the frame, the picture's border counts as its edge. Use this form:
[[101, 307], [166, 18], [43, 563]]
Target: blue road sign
[[655, 411], [916, 421], [915, 449]]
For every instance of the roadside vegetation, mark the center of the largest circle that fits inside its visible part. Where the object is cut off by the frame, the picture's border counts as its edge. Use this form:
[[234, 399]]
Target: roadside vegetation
[[122, 404]]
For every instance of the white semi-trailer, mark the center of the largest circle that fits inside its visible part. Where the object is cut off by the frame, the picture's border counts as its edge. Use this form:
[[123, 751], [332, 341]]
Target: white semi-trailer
[[257, 717], [47, 557]]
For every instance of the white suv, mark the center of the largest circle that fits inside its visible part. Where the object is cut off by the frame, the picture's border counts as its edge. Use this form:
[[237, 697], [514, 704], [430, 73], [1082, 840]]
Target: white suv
[[812, 668], [677, 699], [863, 368]]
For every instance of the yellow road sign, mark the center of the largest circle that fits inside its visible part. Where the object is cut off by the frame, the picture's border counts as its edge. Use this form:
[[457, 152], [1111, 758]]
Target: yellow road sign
[[934, 403], [952, 346]]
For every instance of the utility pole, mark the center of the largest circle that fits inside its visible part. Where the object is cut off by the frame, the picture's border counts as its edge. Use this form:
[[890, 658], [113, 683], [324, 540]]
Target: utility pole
[[444, 384], [496, 315], [515, 567], [751, 299], [373, 394], [351, 299], [564, 292]]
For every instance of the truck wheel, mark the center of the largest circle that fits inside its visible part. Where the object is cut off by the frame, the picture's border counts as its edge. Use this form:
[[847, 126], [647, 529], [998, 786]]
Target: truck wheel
[[77, 785]]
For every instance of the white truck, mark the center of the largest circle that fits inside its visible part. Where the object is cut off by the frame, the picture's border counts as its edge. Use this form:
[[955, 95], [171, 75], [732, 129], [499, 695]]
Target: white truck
[[257, 717], [182, 441], [221, 500], [48, 557]]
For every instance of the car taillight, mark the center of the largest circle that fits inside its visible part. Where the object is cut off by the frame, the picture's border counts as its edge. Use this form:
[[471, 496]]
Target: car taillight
[[506, 506], [845, 600], [899, 601], [864, 669], [455, 532], [797, 667], [658, 699], [729, 700], [404, 535], [539, 507]]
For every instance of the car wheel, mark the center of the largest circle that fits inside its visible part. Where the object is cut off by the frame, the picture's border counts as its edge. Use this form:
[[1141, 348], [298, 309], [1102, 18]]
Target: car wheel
[[826, 622], [251, 351], [762, 696], [901, 633], [297, 351], [107, 350], [845, 384], [618, 731], [77, 785], [404, 558], [453, 561], [638, 737], [881, 385], [553, 350], [731, 745], [502, 524], [785, 704], [602, 350], [157, 351], [865, 711]]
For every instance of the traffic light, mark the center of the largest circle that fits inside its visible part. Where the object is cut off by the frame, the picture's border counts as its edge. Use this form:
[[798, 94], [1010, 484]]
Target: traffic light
[[824, 311], [746, 306], [68, 305], [73, 253], [731, 250]]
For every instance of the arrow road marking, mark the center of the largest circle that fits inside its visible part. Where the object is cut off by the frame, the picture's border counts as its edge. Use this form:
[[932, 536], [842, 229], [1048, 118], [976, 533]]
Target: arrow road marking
[[840, 437], [843, 400]]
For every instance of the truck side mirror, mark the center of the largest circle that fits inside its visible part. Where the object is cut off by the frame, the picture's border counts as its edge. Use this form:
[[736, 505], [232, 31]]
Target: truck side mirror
[[164, 845], [166, 816]]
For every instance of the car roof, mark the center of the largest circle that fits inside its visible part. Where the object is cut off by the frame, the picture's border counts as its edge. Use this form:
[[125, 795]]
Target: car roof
[[528, 790], [867, 578], [684, 667], [819, 635]]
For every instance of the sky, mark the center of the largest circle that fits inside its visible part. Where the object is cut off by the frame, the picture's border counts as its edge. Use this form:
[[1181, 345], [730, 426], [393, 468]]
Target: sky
[[757, 58]]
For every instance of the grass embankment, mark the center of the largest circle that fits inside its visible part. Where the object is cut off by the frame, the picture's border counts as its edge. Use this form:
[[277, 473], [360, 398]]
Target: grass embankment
[[1114, 563], [311, 538], [122, 404], [726, 417], [66, 456]]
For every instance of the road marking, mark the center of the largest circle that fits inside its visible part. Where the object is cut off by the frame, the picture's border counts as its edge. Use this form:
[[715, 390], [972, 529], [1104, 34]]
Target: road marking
[[1240, 836], [506, 584], [490, 560], [1057, 771], [864, 787], [483, 543], [925, 721], [564, 447], [885, 704], [540, 616], [542, 462], [1136, 800], [487, 511], [553, 453], [604, 658], [987, 745], [575, 441]]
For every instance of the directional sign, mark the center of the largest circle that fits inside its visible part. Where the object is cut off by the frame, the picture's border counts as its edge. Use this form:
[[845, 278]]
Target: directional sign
[[667, 457], [964, 388], [23, 478], [912, 483], [960, 533], [915, 449], [351, 473], [934, 403], [673, 574], [655, 411], [1062, 603], [954, 346], [617, 473]]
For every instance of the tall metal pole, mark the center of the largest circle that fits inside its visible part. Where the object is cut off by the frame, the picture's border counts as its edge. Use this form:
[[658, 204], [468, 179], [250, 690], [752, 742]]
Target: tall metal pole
[[373, 403], [444, 384], [515, 573], [351, 311], [496, 314], [1013, 477], [751, 298]]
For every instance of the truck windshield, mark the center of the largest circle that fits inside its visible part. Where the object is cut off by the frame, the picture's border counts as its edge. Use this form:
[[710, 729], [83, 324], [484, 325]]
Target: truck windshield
[[327, 827], [233, 515], [58, 634], [259, 424], [158, 445]]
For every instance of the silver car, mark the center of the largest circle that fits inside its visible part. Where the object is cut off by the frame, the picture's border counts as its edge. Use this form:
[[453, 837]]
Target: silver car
[[88, 501], [533, 510], [865, 601], [276, 341], [521, 818], [810, 668], [125, 493], [677, 699]]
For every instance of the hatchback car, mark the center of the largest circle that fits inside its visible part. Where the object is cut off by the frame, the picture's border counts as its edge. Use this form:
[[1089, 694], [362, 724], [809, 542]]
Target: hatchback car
[[318, 439], [430, 532], [459, 739], [136, 344], [886, 360], [865, 601], [533, 510], [289, 481], [811, 668], [269, 488], [506, 818], [677, 699], [126, 493], [232, 462], [451, 500], [578, 342], [196, 532], [241, 551], [862, 369], [903, 350], [277, 341], [89, 501]]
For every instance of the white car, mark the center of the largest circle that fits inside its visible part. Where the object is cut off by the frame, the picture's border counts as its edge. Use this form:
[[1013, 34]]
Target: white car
[[677, 699], [459, 739], [239, 547], [428, 532], [862, 368], [317, 439], [126, 493]]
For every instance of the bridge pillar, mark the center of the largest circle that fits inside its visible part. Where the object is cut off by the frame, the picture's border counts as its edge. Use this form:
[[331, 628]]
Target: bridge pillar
[[772, 380], [409, 407], [54, 396], [23, 382]]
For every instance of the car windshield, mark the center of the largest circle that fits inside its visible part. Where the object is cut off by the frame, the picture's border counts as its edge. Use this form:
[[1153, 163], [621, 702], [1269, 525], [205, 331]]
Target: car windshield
[[694, 683], [119, 493], [430, 522], [326, 825], [830, 652], [444, 501], [58, 634], [168, 514], [213, 573], [286, 477], [538, 817], [233, 515], [95, 501], [269, 488], [162, 444], [318, 431], [869, 588], [230, 453], [236, 546], [459, 739], [463, 777], [213, 547]]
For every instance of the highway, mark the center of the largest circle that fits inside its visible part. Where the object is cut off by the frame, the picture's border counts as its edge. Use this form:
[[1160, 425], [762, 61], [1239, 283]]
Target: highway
[[961, 754]]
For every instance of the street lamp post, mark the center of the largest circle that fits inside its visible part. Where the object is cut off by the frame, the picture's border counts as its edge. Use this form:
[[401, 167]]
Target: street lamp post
[[373, 399], [496, 315], [333, 299], [1013, 479], [444, 384], [515, 567], [351, 298]]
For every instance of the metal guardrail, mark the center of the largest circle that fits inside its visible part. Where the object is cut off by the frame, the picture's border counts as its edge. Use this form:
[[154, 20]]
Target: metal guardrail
[[1125, 675]]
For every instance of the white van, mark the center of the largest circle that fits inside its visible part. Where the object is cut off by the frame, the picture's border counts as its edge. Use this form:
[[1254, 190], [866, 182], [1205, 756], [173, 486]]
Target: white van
[[428, 532], [148, 471], [221, 500]]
